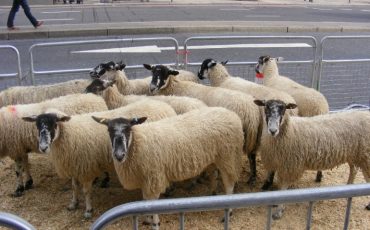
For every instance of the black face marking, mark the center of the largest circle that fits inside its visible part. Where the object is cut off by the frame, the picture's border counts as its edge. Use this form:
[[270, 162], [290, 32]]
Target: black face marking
[[46, 125], [119, 132], [160, 74], [261, 60], [98, 85], [206, 64], [100, 70], [274, 112]]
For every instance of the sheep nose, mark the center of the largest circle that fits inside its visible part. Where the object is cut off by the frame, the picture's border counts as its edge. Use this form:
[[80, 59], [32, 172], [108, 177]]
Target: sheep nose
[[43, 149], [273, 132], [152, 87]]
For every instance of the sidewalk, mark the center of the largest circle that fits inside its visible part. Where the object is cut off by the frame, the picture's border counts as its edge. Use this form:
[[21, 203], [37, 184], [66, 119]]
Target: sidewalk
[[168, 27]]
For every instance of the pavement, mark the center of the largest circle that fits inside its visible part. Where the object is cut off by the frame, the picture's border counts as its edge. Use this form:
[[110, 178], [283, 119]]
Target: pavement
[[158, 27]]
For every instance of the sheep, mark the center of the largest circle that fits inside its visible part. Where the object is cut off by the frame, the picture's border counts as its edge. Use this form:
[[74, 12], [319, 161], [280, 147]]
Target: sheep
[[165, 83], [313, 143], [33, 94], [79, 147], [18, 138], [114, 99], [310, 102], [151, 156], [114, 71]]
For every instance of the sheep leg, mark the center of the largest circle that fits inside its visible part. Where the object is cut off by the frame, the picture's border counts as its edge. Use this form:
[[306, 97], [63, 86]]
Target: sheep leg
[[366, 172], [151, 220], [26, 168], [19, 172], [213, 182], [269, 180], [352, 174], [229, 189], [105, 182], [86, 189], [253, 169], [74, 203], [318, 176], [280, 208]]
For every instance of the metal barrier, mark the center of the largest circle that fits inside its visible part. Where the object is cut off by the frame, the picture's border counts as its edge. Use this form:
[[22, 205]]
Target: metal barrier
[[284, 44], [19, 73], [14, 222], [52, 44], [344, 86], [226, 202]]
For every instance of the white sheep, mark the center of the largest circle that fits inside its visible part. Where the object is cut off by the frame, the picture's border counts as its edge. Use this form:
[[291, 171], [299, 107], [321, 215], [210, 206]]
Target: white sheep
[[164, 82], [114, 71], [115, 99], [151, 156], [310, 101], [79, 147], [19, 138], [291, 145], [33, 94]]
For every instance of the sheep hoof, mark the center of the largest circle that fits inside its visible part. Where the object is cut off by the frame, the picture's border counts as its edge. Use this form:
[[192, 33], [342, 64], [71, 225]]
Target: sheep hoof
[[318, 177], [19, 191], [29, 184], [223, 218], [72, 206], [155, 226], [277, 215], [251, 181], [266, 186], [88, 214], [368, 207]]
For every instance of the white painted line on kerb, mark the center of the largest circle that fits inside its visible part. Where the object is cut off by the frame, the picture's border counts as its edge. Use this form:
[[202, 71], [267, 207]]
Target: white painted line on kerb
[[236, 9], [59, 12], [57, 19], [156, 49], [264, 16]]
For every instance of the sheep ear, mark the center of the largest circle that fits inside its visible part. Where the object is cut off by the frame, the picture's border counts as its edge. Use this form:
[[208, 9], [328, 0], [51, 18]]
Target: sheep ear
[[173, 72], [63, 118], [291, 106], [279, 59], [120, 65], [148, 67], [137, 121], [260, 102], [224, 62], [103, 121], [32, 118]]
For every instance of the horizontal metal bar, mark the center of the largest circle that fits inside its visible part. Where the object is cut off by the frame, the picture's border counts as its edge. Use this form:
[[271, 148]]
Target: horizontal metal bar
[[14, 222], [254, 63], [7, 75], [230, 201], [345, 60]]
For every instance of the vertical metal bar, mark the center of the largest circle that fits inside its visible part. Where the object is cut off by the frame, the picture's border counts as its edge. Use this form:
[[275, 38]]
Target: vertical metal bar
[[135, 223], [309, 215], [348, 213], [32, 69], [226, 219], [182, 221], [314, 65], [269, 218]]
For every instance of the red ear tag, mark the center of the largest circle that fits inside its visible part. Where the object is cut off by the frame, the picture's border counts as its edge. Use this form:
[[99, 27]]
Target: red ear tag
[[259, 75]]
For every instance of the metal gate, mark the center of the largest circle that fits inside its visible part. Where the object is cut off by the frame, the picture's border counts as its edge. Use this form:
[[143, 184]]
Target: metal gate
[[18, 73], [14, 222]]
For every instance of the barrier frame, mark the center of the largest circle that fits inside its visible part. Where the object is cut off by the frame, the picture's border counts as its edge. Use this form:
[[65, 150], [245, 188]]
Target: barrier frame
[[84, 42], [14, 222], [19, 74]]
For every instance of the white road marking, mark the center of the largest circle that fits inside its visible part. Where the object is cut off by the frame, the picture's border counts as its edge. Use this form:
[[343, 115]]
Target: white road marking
[[321, 9], [59, 12], [57, 19], [156, 49], [261, 15], [236, 9], [366, 10], [345, 9]]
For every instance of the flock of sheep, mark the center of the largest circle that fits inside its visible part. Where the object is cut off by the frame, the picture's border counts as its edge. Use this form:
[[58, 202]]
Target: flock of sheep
[[168, 127]]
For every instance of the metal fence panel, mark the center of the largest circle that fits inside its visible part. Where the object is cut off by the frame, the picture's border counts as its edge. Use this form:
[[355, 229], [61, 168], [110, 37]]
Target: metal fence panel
[[302, 70], [79, 62], [14, 222], [344, 80], [11, 78]]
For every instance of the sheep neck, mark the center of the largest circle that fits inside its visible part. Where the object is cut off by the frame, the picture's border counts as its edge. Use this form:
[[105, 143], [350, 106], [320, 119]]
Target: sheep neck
[[217, 75], [113, 98], [270, 71], [123, 84]]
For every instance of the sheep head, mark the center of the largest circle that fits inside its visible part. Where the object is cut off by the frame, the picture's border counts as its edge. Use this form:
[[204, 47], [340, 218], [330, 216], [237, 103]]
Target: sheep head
[[48, 128], [98, 85], [274, 114], [263, 61], [160, 76], [107, 68], [120, 134]]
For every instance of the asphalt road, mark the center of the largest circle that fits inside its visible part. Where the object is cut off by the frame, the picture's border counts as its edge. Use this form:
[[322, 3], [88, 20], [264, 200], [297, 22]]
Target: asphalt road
[[60, 14]]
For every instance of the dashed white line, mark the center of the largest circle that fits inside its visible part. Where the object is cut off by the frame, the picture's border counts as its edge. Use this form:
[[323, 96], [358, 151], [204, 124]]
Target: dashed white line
[[321, 9], [263, 16], [345, 9], [366, 10], [59, 12], [236, 9]]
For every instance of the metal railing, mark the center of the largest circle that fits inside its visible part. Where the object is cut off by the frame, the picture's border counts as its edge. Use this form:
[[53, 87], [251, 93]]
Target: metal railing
[[226, 202], [312, 40], [105, 41], [14, 222], [19, 71]]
